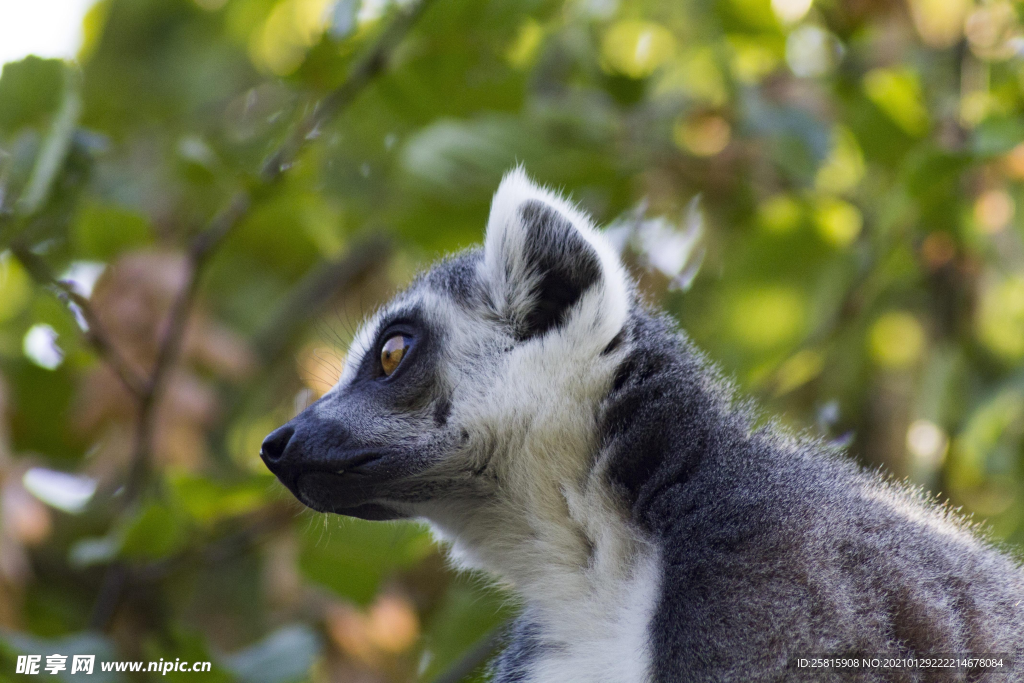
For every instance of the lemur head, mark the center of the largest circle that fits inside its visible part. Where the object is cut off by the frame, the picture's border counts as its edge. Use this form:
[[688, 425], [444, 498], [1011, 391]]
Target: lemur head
[[474, 393]]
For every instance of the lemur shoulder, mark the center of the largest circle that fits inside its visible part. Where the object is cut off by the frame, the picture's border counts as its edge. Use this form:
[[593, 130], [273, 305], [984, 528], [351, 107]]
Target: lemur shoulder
[[558, 434]]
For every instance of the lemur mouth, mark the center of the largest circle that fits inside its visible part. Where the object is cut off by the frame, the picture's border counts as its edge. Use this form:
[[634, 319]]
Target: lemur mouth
[[349, 493], [353, 482]]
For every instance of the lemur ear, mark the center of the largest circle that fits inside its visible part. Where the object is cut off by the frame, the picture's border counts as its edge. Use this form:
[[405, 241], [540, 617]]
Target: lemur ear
[[544, 262]]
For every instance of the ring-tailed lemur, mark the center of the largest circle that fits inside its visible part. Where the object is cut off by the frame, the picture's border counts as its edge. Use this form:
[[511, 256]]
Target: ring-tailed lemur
[[558, 434]]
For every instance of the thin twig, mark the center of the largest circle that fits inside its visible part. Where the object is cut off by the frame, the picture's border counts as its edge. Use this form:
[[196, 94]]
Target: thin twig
[[361, 74], [364, 71], [96, 336], [114, 580]]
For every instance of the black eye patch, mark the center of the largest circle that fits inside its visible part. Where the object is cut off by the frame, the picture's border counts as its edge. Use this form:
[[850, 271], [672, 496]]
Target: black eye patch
[[399, 370]]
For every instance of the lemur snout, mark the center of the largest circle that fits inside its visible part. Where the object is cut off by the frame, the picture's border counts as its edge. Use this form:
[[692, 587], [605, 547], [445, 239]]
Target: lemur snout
[[331, 469]]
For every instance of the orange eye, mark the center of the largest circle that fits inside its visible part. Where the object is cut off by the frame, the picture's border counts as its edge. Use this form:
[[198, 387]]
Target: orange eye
[[392, 353]]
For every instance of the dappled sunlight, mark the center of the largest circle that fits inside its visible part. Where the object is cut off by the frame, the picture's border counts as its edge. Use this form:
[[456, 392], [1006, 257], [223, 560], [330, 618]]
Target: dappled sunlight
[[791, 11], [780, 214], [928, 443], [1000, 316], [993, 210], [897, 92], [704, 135], [292, 27], [768, 317], [812, 51], [636, 48], [940, 23], [838, 222], [896, 340]]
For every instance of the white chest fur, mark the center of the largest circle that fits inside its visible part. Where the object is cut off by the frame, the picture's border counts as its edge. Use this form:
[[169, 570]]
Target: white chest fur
[[604, 638]]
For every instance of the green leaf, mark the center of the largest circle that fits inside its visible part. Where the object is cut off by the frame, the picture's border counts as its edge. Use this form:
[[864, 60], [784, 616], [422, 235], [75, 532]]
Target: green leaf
[[156, 532], [102, 231], [13, 644], [286, 655], [15, 287], [208, 500], [29, 90], [458, 158], [352, 557], [997, 135]]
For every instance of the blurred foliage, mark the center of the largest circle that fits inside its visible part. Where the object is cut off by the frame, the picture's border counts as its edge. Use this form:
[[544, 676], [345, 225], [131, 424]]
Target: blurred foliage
[[844, 173]]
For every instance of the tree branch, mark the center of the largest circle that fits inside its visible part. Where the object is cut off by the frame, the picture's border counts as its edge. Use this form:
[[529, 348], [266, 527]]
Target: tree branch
[[170, 347], [51, 159], [202, 247]]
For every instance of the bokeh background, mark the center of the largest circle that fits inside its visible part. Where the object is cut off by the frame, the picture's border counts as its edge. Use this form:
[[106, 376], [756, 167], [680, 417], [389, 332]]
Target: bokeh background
[[823, 192]]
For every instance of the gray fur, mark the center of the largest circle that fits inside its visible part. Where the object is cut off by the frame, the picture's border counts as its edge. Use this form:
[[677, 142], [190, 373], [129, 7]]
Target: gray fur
[[776, 548]]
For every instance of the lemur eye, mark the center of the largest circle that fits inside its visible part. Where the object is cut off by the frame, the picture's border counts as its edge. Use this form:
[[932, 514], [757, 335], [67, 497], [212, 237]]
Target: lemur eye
[[392, 353]]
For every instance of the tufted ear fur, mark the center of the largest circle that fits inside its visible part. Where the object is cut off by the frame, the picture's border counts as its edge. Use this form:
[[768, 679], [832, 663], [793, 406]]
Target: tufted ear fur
[[546, 266]]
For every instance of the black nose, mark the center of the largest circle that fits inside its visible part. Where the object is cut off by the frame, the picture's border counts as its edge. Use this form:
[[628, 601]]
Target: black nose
[[276, 443]]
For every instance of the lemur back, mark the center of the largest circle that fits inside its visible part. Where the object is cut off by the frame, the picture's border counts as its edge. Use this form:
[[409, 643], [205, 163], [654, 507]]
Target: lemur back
[[771, 549], [557, 434]]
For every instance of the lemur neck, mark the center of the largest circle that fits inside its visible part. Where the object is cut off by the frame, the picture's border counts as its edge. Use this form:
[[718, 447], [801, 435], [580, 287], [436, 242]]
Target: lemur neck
[[556, 539]]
